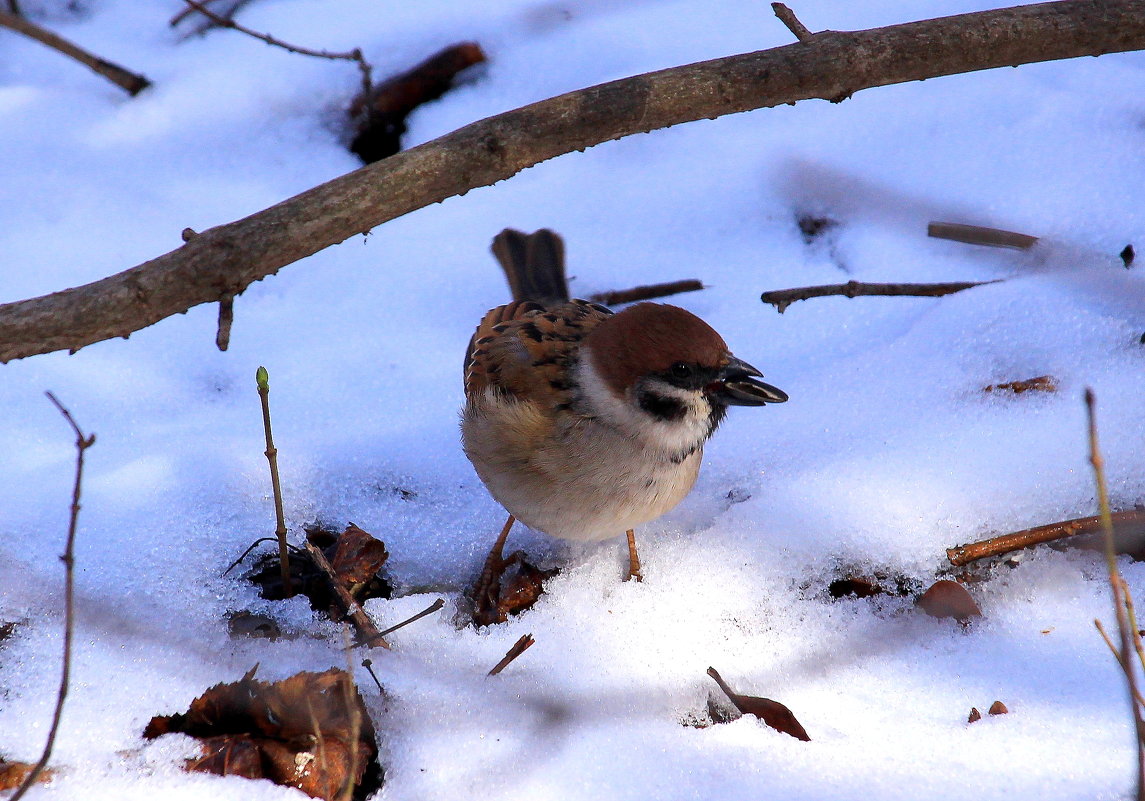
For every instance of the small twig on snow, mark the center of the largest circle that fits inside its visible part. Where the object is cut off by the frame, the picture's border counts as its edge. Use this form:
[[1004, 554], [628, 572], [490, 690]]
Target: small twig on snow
[[979, 235], [368, 633], [433, 607], [995, 546], [646, 292], [354, 55], [782, 298], [262, 379], [518, 648], [1119, 590], [82, 444], [788, 18], [368, 664], [125, 79]]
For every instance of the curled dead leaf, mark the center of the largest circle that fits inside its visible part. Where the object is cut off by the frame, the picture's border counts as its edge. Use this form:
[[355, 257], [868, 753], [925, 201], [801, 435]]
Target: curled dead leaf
[[310, 731], [14, 774]]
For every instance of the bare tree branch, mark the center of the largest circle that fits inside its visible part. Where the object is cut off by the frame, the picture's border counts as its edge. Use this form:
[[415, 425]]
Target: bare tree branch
[[832, 66], [123, 78]]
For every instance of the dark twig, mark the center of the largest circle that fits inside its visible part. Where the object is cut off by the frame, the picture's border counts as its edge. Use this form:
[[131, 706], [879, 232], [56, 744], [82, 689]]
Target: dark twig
[[782, 298], [978, 235], [833, 66], [646, 292], [995, 546], [14, 7], [1117, 588], [130, 82], [518, 648], [368, 664], [251, 547], [262, 379], [354, 55], [82, 444], [368, 633], [788, 18], [226, 317], [433, 607]]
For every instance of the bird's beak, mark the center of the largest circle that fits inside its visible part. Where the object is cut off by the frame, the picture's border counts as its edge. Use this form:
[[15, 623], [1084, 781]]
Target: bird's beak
[[737, 386]]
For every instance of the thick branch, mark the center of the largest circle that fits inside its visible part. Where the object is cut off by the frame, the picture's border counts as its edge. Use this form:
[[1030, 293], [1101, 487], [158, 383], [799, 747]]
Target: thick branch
[[125, 79], [782, 298], [832, 66]]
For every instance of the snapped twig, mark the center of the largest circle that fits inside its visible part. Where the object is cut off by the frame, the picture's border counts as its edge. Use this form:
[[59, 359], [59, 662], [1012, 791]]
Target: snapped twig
[[518, 648], [995, 546], [125, 79], [646, 292], [368, 633], [262, 379], [83, 442], [354, 55], [788, 18], [226, 318], [1119, 591], [782, 298]]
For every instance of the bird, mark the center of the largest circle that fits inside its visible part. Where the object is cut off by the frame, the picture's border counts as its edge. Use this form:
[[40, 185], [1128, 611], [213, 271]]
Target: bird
[[584, 423]]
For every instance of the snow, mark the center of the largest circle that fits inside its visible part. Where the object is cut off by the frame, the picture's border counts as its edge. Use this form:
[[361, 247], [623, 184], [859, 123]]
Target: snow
[[887, 454]]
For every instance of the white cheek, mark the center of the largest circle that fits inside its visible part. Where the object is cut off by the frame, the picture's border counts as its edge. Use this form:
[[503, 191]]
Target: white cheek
[[671, 437]]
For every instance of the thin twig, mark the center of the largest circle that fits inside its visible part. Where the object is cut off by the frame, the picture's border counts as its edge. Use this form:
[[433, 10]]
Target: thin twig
[[355, 715], [1113, 650], [226, 317], [1131, 610], [978, 235], [782, 298], [354, 55], [82, 444], [251, 547], [788, 18], [427, 611], [1116, 586], [368, 664], [995, 546], [368, 633], [518, 648], [646, 292], [262, 379], [125, 79]]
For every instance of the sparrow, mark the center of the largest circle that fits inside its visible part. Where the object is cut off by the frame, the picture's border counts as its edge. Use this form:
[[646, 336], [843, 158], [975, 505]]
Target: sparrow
[[584, 423]]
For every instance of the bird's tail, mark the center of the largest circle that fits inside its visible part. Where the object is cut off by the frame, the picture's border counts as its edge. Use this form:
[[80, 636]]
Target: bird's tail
[[534, 264]]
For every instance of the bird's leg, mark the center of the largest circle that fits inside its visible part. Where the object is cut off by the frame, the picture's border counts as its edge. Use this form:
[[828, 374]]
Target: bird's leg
[[633, 559], [487, 590]]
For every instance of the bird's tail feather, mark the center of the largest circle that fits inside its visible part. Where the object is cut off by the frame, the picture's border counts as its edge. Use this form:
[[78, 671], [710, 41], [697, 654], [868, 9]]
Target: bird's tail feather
[[534, 264]]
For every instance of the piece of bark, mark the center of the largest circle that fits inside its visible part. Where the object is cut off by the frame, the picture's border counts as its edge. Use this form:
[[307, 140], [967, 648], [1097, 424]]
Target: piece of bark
[[519, 647], [978, 235], [382, 114], [833, 65], [947, 598]]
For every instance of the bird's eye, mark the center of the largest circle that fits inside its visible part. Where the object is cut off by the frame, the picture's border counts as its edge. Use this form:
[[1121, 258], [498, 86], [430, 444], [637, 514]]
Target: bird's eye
[[681, 370]]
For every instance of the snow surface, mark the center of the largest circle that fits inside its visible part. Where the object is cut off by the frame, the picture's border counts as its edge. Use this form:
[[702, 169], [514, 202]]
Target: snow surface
[[887, 453]]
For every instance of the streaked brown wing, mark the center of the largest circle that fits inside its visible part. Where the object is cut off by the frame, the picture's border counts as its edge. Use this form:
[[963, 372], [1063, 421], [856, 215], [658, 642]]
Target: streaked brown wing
[[524, 350]]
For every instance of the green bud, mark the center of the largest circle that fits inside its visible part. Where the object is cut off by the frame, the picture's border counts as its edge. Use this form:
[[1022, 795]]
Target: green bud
[[262, 378]]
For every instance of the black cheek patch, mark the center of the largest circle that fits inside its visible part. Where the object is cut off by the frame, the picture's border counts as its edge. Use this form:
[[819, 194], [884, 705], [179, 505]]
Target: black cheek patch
[[661, 407]]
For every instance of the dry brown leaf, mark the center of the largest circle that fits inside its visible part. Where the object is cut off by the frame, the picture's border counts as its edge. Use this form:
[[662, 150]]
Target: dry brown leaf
[[1041, 383], [998, 708], [773, 713], [299, 732], [974, 716], [13, 774]]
